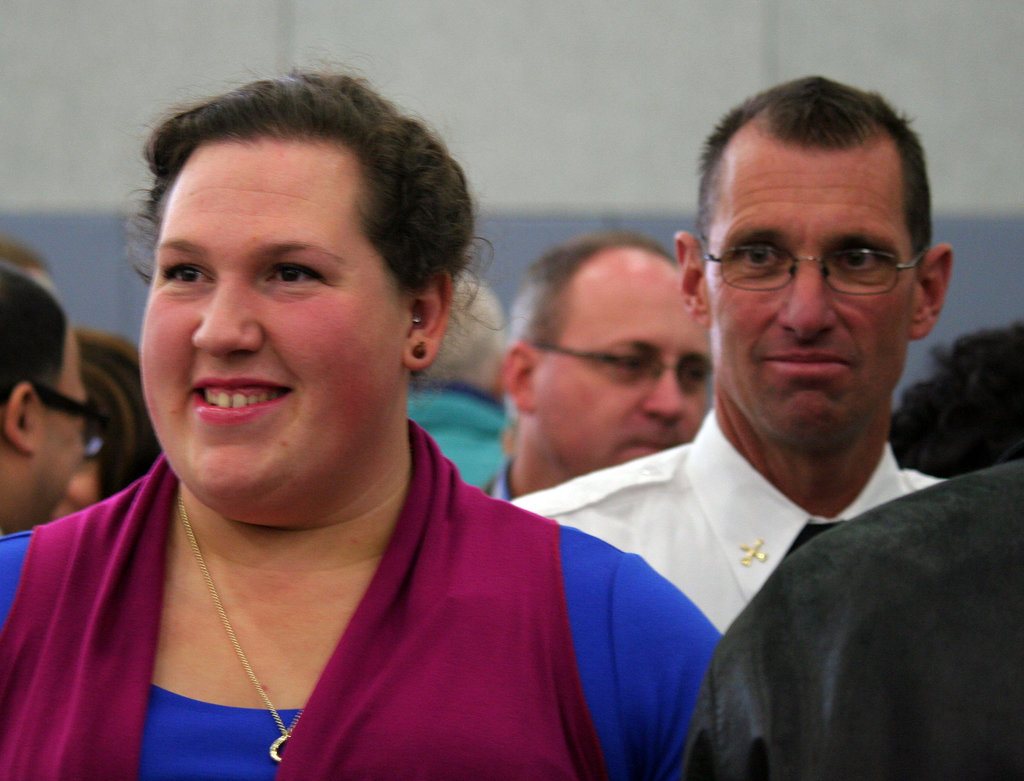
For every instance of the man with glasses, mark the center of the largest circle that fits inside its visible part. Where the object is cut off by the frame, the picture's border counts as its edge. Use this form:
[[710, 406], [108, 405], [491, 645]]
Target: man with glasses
[[46, 427], [812, 266], [605, 365]]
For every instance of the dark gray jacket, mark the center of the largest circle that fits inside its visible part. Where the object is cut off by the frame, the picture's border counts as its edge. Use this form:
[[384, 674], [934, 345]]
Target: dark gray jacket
[[891, 647]]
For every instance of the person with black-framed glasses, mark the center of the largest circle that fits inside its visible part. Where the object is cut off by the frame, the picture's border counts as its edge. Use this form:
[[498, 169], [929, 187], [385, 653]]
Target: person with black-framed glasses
[[605, 365], [93, 421], [110, 372], [46, 425]]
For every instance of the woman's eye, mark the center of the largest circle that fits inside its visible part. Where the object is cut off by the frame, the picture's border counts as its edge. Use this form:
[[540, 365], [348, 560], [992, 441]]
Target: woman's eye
[[182, 273], [292, 273]]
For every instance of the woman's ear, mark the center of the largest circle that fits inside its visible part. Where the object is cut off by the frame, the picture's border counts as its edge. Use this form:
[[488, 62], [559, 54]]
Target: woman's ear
[[20, 419], [694, 282], [429, 311]]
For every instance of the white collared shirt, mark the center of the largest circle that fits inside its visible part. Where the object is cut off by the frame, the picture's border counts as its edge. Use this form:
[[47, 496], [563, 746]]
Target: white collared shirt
[[702, 516]]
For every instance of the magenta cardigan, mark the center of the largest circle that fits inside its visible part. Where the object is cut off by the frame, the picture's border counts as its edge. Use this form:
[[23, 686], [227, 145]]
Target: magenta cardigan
[[458, 661]]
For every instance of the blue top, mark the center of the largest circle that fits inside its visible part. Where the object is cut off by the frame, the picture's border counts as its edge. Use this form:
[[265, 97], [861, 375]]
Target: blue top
[[640, 663], [498, 488]]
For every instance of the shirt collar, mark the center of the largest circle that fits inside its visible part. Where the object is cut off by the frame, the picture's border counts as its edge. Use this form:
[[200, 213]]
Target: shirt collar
[[752, 519]]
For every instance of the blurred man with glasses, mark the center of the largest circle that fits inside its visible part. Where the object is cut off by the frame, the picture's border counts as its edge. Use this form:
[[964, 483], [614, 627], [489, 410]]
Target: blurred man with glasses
[[812, 266], [605, 365], [46, 426]]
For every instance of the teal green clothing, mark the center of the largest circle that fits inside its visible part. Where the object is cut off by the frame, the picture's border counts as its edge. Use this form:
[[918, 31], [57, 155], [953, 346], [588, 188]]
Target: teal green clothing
[[467, 425]]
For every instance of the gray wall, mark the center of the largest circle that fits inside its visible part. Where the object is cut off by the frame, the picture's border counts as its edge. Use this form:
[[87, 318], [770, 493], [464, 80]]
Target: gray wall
[[556, 106], [568, 114]]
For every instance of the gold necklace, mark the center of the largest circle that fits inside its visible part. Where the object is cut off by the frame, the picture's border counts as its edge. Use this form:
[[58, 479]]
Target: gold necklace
[[286, 732]]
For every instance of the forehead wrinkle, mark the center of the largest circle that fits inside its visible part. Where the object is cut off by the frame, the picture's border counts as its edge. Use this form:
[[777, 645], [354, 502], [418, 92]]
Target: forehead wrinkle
[[239, 189], [859, 221], [268, 251], [759, 173], [238, 199], [791, 187]]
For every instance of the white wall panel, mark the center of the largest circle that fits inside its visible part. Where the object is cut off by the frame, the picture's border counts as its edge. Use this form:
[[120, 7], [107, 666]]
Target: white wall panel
[[560, 106], [555, 106], [79, 83], [954, 67]]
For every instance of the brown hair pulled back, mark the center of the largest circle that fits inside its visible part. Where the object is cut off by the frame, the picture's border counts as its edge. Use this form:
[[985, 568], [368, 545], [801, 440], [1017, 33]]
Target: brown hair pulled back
[[416, 208]]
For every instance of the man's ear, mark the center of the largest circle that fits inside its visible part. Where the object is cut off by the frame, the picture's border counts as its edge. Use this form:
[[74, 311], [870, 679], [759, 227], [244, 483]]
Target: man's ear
[[21, 419], [517, 375], [429, 311], [931, 284], [694, 281]]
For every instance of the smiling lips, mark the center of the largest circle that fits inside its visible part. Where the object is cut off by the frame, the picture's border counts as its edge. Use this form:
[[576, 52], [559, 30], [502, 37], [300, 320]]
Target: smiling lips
[[234, 399]]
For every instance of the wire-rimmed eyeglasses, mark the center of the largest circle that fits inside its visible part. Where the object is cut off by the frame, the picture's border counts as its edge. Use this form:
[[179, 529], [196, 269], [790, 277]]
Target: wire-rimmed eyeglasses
[[691, 370], [94, 421], [857, 272]]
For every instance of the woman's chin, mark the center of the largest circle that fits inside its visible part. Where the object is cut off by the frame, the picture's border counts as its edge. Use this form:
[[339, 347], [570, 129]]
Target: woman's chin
[[231, 486]]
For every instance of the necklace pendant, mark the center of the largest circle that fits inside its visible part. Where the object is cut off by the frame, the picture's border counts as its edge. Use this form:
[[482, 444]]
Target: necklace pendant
[[278, 746]]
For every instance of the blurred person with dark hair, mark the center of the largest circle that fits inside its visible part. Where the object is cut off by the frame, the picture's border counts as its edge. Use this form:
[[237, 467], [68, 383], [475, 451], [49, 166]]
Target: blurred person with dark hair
[[110, 372], [27, 259], [605, 365], [458, 399], [970, 411], [46, 426]]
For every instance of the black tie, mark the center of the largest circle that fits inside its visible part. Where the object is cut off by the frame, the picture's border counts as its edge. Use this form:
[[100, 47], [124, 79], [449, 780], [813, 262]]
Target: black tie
[[810, 531]]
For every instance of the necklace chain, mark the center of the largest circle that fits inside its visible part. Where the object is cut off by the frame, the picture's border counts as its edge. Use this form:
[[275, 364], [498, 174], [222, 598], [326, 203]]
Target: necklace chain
[[286, 732]]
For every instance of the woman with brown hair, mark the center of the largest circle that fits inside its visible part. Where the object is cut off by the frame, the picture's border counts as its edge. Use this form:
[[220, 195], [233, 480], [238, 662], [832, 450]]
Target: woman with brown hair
[[304, 588]]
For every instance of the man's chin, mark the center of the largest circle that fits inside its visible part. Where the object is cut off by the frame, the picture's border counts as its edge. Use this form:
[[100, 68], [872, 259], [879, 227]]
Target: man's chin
[[818, 431]]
